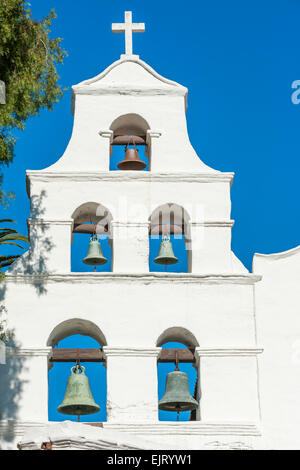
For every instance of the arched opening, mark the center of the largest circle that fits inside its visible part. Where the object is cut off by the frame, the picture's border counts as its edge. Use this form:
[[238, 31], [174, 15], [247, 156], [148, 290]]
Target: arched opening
[[92, 223], [170, 239], [71, 335], [178, 338], [130, 133]]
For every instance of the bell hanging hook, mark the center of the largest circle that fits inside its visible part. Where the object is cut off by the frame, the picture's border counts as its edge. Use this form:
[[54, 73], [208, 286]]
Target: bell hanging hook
[[176, 361], [77, 358]]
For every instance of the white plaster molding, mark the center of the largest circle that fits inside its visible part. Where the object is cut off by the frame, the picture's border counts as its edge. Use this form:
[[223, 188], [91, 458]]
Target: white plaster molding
[[204, 223], [212, 223], [117, 223], [187, 428], [50, 221], [280, 255], [147, 176], [128, 90], [153, 134], [106, 134], [17, 428], [134, 352], [25, 352], [222, 352], [147, 278]]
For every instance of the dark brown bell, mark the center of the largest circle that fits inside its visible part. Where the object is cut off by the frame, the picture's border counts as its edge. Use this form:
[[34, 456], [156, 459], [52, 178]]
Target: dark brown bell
[[131, 161]]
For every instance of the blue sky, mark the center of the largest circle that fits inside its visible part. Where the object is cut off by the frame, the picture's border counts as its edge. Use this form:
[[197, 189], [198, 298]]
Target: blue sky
[[238, 60]]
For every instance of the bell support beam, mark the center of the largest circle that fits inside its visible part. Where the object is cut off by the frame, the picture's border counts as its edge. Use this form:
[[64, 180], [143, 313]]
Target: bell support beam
[[90, 228], [96, 355], [160, 229], [129, 140], [73, 355], [170, 355]]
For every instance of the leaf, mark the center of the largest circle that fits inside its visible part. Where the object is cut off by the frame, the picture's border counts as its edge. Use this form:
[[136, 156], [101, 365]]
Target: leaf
[[12, 243], [7, 220], [17, 236], [5, 258]]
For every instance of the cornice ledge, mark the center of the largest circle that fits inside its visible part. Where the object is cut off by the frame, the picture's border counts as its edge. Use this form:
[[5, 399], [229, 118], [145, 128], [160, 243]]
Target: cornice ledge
[[50, 221], [17, 428], [129, 90], [212, 223], [135, 352], [25, 352], [187, 428], [119, 223], [49, 176], [146, 278], [222, 352]]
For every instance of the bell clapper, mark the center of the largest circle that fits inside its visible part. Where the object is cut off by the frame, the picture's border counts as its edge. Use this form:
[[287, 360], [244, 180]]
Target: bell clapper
[[178, 411]]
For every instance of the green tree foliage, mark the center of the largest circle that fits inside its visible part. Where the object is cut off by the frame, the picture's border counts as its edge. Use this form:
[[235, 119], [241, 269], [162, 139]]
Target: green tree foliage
[[28, 61]]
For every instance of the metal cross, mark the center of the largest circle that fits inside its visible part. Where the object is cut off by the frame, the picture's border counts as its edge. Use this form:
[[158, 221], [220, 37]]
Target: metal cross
[[128, 28]]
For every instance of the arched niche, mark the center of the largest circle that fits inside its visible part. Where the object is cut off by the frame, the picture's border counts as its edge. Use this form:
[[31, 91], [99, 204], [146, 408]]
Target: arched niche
[[91, 218], [129, 130], [177, 337], [75, 326], [171, 220], [130, 124], [177, 334]]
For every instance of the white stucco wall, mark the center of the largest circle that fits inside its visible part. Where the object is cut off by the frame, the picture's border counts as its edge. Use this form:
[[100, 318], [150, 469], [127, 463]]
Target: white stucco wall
[[277, 299]]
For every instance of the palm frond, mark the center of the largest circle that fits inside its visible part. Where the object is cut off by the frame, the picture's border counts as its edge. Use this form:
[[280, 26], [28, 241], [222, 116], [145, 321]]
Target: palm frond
[[9, 236], [16, 236], [7, 220], [12, 243], [7, 232]]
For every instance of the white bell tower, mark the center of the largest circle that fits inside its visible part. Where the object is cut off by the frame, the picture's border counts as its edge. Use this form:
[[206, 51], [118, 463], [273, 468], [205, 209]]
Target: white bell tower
[[130, 311]]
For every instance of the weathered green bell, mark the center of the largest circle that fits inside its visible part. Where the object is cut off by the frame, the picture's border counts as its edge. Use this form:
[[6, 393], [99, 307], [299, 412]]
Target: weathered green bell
[[166, 255], [177, 395], [78, 398], [94, 255]]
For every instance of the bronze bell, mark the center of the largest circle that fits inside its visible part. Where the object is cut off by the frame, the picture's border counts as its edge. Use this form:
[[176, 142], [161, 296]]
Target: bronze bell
[[177, 395], [166, 255], [131, 161], [78, 398], [94, 255]]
